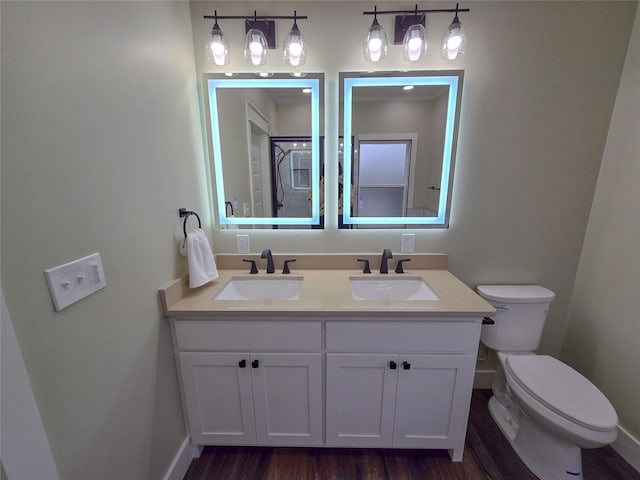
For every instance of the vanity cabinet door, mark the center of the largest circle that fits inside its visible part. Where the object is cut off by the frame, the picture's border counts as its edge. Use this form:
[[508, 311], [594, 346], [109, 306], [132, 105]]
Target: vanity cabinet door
[[361, 397], [433, 400], [287, 397], [218, 397]]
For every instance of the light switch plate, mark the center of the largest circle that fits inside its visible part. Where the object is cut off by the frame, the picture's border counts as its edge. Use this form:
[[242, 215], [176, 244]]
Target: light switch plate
[[75, 280], [242, 244], [408, 243]]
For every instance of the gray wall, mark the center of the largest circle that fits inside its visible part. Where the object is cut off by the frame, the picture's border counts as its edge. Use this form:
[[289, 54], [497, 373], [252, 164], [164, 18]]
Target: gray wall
[[101, 145], [604, 321]]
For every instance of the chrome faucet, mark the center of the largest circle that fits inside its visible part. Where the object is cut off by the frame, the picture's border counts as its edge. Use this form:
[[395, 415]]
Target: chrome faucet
[[266, 253], [386, 255]]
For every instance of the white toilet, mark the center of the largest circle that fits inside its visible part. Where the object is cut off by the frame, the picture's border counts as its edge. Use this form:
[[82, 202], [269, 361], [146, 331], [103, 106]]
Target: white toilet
[[547, 410]]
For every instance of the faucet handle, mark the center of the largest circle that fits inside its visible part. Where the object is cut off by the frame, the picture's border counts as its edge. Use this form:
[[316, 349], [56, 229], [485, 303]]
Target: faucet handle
[[285, 269], [399, 268], [366, 269], [254, 269]]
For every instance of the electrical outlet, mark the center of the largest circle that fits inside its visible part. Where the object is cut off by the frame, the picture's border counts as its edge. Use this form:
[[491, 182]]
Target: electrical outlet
[[242, 244], [75, 280], [408, 243]]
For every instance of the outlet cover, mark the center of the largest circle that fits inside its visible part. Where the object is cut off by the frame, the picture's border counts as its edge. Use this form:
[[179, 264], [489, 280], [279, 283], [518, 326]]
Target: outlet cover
[[242, 244], [75, 280], [408, 243]]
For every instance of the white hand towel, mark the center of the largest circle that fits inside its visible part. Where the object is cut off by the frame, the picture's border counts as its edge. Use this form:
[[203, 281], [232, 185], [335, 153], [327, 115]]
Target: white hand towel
[[202, 266]]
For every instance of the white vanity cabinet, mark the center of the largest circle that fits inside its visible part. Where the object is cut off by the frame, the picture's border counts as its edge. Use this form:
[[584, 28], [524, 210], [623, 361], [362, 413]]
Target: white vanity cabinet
[[403, 384], [251, 382]]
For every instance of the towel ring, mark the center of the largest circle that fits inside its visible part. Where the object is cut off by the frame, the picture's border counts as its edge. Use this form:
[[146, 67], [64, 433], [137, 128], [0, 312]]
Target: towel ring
[[186, 214]]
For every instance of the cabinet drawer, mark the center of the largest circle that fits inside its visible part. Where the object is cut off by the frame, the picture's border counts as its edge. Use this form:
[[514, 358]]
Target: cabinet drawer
[[445, 335], [293, 336]]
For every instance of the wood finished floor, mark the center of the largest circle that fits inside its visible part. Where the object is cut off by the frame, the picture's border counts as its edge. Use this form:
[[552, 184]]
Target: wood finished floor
[[488, 456]]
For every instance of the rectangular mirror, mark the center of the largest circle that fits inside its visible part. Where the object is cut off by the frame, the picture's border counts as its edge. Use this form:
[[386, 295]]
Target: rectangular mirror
[[265, 145], [398, 149]]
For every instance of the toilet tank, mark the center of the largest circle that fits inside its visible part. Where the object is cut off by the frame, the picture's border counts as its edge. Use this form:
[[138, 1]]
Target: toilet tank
[[521, 311]]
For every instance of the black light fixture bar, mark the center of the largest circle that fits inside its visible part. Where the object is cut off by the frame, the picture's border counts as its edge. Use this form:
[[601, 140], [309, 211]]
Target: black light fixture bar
[[415, 11], [262, 17]]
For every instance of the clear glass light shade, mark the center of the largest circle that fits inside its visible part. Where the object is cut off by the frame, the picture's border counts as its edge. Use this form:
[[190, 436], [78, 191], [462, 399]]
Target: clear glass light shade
[[453, 41], [375, 44], [414, 44], [294, 50], [255, 48], [218, 47]]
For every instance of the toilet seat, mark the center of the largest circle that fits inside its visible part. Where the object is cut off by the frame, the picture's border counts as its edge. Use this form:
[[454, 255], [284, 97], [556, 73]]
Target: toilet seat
[[562, 390]]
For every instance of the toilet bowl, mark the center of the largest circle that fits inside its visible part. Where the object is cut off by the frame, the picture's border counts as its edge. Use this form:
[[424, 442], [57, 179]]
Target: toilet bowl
[[547, 410]]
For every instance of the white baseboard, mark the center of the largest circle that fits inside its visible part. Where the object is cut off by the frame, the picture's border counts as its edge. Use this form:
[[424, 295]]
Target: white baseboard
[[483, 378], [180, 464], [628, 447]]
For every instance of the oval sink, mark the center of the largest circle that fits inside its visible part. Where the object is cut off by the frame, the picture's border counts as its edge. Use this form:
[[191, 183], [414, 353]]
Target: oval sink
[[243, 288], [394, 288]]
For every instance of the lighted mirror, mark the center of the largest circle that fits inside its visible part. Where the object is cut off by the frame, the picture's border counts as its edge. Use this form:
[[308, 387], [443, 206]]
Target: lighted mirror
[[265, 146], [398, 147]]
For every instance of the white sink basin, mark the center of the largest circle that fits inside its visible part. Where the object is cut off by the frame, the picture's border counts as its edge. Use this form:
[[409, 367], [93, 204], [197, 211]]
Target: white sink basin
[[393, 288], [265, 288]]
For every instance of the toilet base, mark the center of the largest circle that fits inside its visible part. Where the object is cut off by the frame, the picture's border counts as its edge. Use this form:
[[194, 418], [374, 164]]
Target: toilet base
[[547, 456]]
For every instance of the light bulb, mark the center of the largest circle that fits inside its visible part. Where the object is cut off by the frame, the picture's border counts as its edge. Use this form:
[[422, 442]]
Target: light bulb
[[255, 51], [255, 47], [454, 41], [414, 44], [375, 44], [294, 51], [218, 48]]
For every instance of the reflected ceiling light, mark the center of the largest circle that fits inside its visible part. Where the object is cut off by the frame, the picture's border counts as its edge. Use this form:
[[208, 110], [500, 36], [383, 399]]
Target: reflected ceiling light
[[298, 74], [306, 90], [411, 34], [408, 87], [295, 49], [454, 39], [375, 44], [264, 74], [217, 47]]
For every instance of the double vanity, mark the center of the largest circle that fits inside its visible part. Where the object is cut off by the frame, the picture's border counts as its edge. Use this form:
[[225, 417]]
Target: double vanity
[[327, 355]]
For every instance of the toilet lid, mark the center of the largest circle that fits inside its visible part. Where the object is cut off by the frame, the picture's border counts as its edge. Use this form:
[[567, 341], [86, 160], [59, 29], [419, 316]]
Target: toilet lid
[[516, 293], [563, 390]]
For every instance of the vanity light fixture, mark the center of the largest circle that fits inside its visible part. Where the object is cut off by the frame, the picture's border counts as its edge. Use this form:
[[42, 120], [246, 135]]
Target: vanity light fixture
[[255, 47], [375, 44], [410, 32], [260, 37], [218, 47], [414, 40], [295, 49], [454, 39]]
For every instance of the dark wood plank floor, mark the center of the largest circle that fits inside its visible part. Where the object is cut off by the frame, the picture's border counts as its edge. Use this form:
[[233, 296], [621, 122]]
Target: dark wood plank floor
[[488, 456]]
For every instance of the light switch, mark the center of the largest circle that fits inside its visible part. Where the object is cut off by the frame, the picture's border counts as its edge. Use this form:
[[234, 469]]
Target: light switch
[[75, 280]]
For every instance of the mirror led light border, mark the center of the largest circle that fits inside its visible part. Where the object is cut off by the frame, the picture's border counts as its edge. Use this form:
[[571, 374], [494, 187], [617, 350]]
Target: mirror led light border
[[314, 84], [349, 83]]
